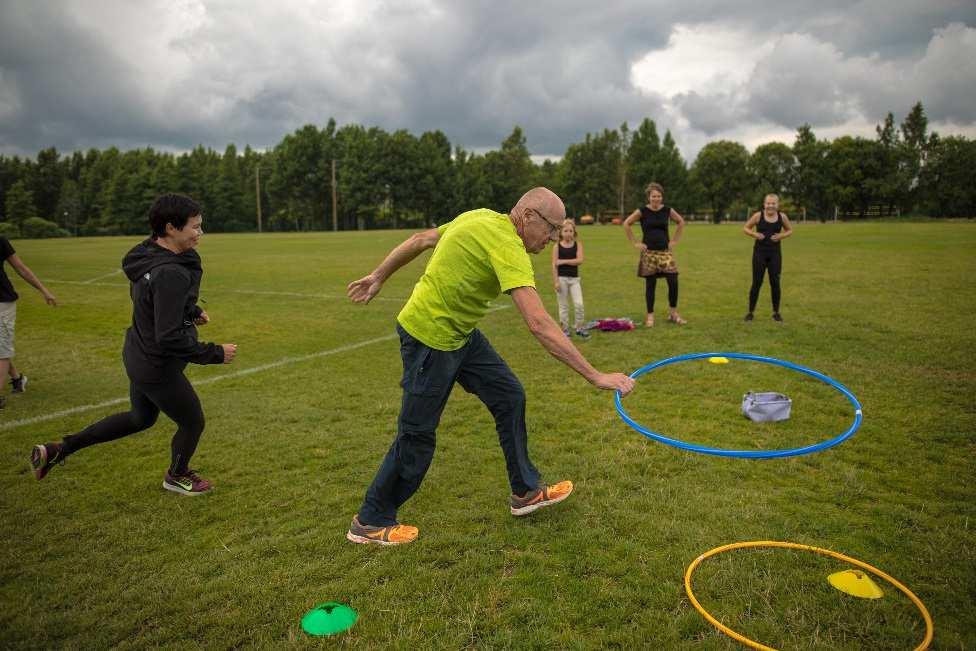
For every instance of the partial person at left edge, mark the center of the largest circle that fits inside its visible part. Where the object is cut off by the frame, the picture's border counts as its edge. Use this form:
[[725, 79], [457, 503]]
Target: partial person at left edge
[[164, 273], [8, 315]]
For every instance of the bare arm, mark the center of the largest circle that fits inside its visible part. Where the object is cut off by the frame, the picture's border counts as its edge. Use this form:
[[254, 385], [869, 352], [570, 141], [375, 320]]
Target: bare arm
[[786, 232], [29, 276], [631, 218], [545, 330], [750, 227], [578, 260], [680, 221], [364, 289]]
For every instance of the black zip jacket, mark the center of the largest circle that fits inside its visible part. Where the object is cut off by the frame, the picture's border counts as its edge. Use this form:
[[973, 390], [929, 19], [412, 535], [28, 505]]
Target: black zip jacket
[[164, 288]]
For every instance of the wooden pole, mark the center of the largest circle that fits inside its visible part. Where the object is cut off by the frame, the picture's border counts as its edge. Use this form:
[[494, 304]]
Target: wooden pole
[[335, 214], [257, 192]]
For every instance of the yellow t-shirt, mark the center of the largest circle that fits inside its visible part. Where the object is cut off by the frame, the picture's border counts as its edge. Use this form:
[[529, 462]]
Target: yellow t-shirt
[[478, 256]]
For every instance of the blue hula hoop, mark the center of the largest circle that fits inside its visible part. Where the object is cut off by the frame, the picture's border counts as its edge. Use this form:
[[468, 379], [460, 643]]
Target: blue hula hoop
[[744, 454]]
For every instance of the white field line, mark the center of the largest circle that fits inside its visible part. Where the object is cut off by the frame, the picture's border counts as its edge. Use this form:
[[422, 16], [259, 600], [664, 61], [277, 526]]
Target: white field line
[[258, 292], [111, 273], [284, 361]]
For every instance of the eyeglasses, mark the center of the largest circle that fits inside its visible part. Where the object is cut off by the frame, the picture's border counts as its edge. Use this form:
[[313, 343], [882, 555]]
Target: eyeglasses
[[554, 229]]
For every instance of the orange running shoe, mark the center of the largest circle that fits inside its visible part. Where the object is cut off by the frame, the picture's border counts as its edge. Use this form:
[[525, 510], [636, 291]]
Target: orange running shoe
[[397, 534], [535, 500]]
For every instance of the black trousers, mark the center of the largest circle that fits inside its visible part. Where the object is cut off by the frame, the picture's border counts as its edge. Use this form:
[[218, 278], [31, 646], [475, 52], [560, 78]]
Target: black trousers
[[428, 377], [763, 260], [650, 286], [175, 397]]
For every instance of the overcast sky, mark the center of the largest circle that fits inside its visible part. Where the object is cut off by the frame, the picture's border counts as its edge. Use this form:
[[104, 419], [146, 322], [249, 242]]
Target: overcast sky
[[175, 73]]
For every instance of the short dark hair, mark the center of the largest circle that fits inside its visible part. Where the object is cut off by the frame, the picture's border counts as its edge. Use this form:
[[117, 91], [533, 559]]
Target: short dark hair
[[172, 208]]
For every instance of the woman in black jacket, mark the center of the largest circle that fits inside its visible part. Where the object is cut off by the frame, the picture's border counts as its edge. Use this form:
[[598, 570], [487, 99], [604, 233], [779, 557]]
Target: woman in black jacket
[[164, 272]]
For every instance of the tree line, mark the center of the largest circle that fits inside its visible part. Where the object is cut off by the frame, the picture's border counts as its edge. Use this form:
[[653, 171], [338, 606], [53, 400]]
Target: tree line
[[376, 179]]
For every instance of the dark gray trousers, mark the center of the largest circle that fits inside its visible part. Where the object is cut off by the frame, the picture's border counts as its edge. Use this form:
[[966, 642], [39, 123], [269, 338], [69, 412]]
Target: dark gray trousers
[[428, 377]]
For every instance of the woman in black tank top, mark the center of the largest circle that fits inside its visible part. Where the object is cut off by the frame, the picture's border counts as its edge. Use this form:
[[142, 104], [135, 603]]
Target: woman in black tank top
[[768, 227], [657, 258]]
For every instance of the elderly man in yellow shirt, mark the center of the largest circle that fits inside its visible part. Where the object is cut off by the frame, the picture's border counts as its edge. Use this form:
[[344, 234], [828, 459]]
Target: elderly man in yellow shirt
[[477, 256]]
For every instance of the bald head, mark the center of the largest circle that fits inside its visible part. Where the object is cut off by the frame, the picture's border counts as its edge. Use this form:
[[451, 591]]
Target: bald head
[[543, 201]]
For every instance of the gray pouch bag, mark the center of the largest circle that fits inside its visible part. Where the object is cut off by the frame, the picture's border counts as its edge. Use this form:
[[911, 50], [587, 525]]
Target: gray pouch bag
[[766, 406]]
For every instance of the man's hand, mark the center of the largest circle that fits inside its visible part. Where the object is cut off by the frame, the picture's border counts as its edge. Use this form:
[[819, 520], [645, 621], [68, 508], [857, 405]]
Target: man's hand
[[614, 382], [203, 319], [230, 352], [555, 286], [364, 289], [50, 299]]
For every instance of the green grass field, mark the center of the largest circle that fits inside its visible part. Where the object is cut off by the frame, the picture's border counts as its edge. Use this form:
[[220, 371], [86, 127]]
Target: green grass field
[[98, 555]]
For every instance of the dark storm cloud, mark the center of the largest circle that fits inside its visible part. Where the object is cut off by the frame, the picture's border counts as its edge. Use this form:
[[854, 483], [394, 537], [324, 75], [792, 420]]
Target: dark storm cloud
[[172, 75]]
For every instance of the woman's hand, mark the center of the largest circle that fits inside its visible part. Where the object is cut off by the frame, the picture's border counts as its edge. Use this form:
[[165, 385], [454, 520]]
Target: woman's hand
[[640, 246]]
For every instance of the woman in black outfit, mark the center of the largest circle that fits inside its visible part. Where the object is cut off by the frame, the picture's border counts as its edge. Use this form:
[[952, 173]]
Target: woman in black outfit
[[164, 272], [657, 258], [768, 228]]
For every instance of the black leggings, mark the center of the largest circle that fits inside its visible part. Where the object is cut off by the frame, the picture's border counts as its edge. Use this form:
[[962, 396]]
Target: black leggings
[[175, 397], [762, 260], [650, 284]]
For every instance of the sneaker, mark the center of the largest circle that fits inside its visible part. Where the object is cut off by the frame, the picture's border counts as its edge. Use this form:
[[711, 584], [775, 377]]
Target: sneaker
[[189, 483], [582, 334], [777, 317], [535, 500], [397, 534], [19, 383], [749, 317], [43, 458]]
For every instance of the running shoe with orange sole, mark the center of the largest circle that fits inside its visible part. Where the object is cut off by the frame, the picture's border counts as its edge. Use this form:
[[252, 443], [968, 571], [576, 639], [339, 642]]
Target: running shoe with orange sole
[[535, 500], [365, 534]]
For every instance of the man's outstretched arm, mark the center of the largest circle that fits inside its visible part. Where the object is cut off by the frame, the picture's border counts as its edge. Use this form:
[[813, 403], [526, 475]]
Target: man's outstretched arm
[[553, 340], [364, 289]]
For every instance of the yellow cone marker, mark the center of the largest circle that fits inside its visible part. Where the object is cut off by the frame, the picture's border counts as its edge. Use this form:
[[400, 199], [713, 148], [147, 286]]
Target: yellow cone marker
[[856, 583], [719, 360]]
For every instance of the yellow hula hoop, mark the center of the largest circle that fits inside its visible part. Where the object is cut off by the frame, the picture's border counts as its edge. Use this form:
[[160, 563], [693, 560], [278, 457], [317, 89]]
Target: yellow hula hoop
[[929, 627]]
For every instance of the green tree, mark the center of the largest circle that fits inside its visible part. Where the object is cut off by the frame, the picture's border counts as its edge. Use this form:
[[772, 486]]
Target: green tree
[[435, 178], [811, 178], [673, 175], [68, 211], [47, 178], [471, 187], [915, 144], [721, 174], [19, 205], [591, 173], [510, 171], [358, 174], [892, 183], [947, 184], [771, 167], [227, 213], [644, 161], [11, 170], [856, 166]]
